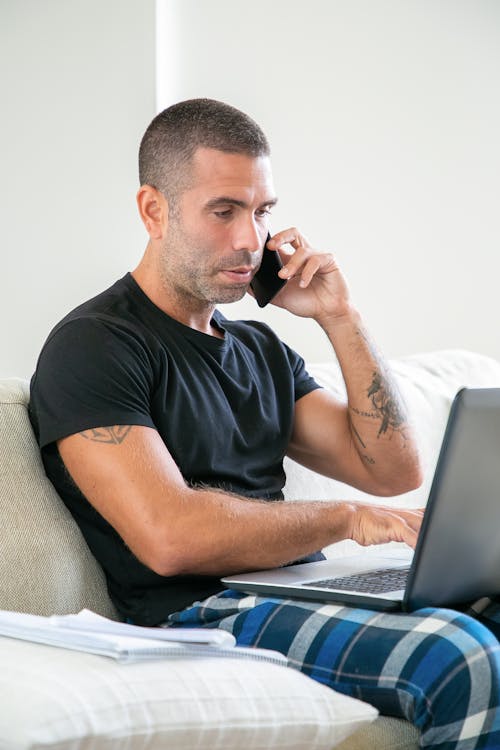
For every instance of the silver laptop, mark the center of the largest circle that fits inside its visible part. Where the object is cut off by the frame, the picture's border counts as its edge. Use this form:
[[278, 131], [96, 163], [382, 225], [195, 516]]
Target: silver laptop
[[457, 556]]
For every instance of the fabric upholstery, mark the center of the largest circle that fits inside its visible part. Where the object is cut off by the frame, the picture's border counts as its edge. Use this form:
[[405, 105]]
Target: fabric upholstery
[[45, 565], [385, 732]]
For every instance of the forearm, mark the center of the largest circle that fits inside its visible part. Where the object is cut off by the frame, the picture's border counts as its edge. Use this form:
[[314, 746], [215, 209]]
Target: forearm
[[218, 533], [370, 443], [377, 416]]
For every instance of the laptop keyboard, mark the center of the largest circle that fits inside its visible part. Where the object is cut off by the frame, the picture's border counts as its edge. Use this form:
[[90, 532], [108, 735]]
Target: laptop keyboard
[[373, 582]]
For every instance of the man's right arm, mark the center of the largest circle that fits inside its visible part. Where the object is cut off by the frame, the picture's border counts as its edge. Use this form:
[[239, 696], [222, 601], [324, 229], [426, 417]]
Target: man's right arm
[[129, 476]]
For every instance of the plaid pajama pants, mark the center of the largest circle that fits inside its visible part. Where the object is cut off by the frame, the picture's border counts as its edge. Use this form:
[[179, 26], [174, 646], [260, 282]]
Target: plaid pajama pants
[[437, 668]]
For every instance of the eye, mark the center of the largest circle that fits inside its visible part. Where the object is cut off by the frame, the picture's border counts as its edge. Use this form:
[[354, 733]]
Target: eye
[[263, 211], [225, 214]]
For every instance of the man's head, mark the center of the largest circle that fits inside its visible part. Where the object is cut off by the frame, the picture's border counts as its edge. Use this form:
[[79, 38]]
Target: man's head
[[171, 140], [205, 197]]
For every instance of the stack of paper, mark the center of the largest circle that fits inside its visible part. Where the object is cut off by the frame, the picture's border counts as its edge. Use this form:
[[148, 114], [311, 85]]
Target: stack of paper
[[90, 632]]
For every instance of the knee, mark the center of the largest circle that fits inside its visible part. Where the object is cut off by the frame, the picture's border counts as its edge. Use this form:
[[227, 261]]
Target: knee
[[457, 670]]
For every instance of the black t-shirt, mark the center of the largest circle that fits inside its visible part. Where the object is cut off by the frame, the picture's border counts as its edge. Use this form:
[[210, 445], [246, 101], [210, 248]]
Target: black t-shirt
[[223, 407]]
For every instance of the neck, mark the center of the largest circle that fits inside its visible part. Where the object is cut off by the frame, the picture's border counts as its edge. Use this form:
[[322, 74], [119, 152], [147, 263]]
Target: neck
[[182, 307]]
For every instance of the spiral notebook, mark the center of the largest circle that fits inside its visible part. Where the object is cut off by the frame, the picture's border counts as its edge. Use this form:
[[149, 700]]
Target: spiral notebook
[[87, 631]]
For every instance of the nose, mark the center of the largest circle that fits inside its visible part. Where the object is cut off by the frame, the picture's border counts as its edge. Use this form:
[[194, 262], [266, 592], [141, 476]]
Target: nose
[[248, 235]]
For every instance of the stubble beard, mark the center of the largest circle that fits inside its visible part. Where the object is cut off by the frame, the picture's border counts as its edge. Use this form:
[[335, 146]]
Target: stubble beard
[[193, 282]]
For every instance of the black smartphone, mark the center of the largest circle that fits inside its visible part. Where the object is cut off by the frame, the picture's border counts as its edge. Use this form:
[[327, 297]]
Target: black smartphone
[[266, 283]]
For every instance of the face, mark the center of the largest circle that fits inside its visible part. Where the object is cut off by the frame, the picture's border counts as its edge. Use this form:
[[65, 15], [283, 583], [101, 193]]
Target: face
[[218, 228]]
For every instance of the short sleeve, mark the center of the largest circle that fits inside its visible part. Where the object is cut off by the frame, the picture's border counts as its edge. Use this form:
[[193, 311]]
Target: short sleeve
[[91, 373], [303, 382]]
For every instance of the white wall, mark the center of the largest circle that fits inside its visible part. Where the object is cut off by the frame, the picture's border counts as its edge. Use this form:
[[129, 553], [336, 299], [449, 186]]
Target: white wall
[[383, 116], [77, 92], [384, 119]]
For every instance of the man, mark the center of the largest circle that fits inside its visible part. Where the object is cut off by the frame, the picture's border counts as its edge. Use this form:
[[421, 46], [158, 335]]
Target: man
[[164, 426]]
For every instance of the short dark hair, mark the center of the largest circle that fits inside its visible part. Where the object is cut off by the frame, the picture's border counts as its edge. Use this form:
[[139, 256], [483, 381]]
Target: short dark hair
[[169, 143]]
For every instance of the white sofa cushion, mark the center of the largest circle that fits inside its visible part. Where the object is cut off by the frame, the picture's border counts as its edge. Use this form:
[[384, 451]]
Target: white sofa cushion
[[54, 698]]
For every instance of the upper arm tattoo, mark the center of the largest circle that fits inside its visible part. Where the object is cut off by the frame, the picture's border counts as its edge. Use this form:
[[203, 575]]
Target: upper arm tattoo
[[114, 435]]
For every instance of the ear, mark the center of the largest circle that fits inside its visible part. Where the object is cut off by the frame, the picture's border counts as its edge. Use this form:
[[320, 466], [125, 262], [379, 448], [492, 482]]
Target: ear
[[153, 209]]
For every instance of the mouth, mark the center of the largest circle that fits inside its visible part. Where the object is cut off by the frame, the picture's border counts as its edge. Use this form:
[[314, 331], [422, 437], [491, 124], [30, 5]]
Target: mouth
[[240, 275]]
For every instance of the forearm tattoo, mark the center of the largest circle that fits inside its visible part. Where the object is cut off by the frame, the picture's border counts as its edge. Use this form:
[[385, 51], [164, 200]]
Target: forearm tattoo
[[368, 459], [386, 408], [386, 405], [112, 435]]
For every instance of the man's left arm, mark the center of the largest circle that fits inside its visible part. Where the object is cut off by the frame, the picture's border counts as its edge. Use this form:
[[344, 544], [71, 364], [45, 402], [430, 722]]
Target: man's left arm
[[368, 441]]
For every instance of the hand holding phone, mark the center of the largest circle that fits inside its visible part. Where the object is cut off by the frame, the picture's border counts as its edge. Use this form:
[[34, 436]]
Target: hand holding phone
[[266, 283]]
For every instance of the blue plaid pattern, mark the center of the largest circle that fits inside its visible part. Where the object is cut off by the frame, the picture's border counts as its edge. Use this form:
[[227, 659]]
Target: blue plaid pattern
[[435, 667]]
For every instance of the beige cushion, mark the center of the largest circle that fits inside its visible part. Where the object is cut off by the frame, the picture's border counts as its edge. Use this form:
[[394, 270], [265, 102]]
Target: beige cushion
[[65, 700], [45, 564], [385, 732]]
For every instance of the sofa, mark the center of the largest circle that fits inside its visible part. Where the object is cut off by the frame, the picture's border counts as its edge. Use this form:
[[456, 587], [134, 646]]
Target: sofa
[[57, 698]]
